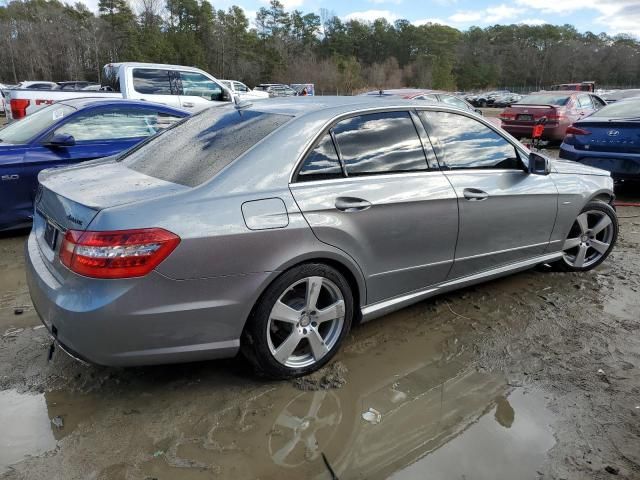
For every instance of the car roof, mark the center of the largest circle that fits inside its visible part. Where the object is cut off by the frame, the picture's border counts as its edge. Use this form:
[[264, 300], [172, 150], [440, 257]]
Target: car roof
[[83, 102], [301, 106], [401, 91]]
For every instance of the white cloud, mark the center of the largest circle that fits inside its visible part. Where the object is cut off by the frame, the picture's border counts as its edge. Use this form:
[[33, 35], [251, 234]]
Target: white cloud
[[616, 16], [490, 15], [501, 12], [532, 21], [381, 2], [424, 21], [466, 17], [288, 4], [371, 15]]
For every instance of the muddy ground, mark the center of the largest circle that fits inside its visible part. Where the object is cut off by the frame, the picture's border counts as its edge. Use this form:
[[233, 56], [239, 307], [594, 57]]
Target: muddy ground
[[534, 376]]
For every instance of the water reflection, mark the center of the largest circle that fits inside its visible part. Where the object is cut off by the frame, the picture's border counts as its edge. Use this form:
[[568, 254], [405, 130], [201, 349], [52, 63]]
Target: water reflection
[[26, 427]]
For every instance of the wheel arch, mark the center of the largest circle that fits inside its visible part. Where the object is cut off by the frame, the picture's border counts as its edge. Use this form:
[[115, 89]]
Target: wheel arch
[[347, 267], [604, 196]]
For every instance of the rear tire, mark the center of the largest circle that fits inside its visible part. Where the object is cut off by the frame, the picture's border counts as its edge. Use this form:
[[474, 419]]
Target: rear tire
[[590, 240], [299, 322]]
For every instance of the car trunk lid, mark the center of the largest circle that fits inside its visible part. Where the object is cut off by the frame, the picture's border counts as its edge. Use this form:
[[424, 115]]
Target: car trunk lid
[[522, 114], [70, 198], [607, 136]]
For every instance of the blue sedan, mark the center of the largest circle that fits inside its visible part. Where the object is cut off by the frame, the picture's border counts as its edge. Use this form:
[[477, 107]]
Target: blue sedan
[[66, 133], [608, 139]]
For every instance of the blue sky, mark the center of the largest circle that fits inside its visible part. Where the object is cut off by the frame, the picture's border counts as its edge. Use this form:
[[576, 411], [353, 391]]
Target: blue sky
[[609, 16]]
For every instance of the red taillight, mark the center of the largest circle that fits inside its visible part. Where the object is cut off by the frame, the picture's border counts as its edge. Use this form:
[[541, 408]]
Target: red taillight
[[118, 253], [572, 130], [556, 116], [19, 107]]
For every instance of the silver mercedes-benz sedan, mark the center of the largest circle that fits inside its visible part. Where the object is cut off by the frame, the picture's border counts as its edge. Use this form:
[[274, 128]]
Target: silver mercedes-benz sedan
[[271, 229]]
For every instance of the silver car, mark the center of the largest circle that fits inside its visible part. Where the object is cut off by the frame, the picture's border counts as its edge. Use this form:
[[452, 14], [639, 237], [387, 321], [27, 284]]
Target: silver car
[[271, 229]]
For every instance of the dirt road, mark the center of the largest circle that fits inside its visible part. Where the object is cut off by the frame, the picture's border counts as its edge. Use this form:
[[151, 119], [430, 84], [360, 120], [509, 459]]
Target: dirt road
[[532, 376]]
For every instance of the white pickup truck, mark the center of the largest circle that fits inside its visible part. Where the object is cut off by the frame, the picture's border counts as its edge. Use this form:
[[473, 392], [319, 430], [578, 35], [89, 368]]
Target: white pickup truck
[[242, 91], [184, 87]]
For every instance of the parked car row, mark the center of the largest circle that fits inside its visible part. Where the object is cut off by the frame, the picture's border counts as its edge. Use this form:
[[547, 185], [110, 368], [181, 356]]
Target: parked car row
[[434, 96], [174, 85]]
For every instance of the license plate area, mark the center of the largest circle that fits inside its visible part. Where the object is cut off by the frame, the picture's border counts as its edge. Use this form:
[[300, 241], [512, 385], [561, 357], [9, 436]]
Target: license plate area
[[51, 234], [525, 117]]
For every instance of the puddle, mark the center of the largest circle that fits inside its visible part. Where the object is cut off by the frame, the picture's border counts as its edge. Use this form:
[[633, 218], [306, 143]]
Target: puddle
[[510, 441], [26, 427], [431, 406]]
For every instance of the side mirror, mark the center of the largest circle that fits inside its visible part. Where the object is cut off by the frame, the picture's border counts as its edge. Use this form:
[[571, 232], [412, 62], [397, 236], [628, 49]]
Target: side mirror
[[60, 140], [539, 165], [223, 96]]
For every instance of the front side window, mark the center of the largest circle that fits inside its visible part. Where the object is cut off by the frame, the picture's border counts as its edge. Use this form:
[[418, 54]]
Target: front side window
[[597, 102], [322, 162], [151, 81], [117, 124], [240, 87], [584, 101], [197, 85], [196, 150], [464, 143], [377, 143]]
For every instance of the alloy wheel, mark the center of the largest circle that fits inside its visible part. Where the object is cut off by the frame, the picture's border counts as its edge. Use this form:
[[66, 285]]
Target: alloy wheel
[[305, 322], [589, 239]]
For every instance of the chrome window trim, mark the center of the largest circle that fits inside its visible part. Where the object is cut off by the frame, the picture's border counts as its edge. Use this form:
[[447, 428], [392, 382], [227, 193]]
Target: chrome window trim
[[412, 108], [362, 178]]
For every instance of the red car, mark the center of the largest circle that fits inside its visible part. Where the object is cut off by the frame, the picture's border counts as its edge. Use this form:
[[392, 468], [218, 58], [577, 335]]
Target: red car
[[561, 109]]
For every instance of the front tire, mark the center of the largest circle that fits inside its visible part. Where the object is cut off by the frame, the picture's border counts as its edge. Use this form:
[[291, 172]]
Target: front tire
[[591, 238], [299, 322]]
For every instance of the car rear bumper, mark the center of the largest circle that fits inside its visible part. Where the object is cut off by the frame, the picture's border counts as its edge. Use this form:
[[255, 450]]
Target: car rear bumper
[[143, 321], [552, 132], [623, 166]]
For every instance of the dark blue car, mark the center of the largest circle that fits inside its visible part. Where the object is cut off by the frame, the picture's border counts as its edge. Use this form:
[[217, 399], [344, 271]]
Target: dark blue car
[[608, 139], [65, 133]]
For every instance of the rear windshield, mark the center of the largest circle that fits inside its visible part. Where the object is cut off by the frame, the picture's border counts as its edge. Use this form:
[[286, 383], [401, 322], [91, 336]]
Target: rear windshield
[[544, 99], [623, 109], [195, 150]]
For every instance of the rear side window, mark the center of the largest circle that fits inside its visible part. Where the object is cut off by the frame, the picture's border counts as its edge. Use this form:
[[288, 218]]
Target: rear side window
[[195, 151], [465, 143], [151, 81], [376, 143], [456, 102], [322, 162], [116, 123]]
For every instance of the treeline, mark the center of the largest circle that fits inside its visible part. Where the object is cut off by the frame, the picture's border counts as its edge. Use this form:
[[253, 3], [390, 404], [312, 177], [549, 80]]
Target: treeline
[[49, 40]]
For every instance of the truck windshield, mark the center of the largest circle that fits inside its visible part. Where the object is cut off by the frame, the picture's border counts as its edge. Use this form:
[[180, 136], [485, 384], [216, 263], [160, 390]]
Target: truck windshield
[[196, 149], [22, 131]]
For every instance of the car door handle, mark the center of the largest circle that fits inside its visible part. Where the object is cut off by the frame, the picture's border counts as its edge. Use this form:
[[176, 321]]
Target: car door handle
[[352, 204], [475, 195], [188, 104]]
